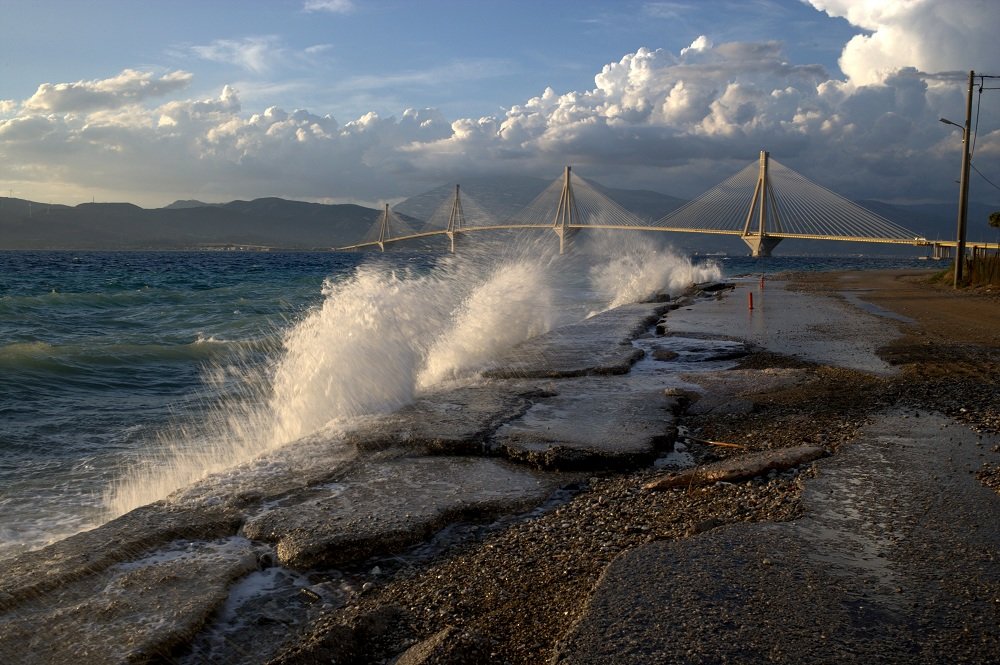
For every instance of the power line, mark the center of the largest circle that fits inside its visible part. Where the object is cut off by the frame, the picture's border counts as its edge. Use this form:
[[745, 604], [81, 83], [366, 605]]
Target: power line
[[983, 176], [975, 131], [979, 104]]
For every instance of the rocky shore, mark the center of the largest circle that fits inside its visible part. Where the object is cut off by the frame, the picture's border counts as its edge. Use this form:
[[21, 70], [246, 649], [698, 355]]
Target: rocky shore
[[510, 520]]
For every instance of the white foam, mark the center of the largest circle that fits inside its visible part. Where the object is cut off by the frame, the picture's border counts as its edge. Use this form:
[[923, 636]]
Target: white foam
[[380, 335], [637, 270]]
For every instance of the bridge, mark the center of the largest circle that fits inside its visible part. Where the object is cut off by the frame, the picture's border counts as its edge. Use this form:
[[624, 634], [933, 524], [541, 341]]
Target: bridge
[[763, 204]]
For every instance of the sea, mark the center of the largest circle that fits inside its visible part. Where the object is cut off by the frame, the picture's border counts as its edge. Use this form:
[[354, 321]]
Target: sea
[[125, 376]]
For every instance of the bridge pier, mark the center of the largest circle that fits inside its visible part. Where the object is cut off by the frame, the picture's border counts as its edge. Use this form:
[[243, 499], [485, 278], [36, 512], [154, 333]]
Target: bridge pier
[[566, 236], [761, 245], [759, 242], [456, 219], [567, 215]]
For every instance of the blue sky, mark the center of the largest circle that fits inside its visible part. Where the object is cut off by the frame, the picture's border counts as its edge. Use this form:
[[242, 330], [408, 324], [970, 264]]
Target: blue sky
[[467, 58], [151, 101]]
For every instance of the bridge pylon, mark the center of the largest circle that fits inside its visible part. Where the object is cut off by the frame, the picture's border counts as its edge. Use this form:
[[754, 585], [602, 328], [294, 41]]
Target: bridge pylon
[[456, 220], [567, 220], [383, 228], [760, 243]]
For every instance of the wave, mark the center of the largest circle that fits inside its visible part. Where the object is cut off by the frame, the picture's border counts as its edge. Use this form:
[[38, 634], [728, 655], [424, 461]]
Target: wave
[[70, 358], [87, 299], [381, 335]]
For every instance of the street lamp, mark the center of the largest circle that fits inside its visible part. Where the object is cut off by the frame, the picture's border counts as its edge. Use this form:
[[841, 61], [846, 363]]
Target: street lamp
[[963, 184]]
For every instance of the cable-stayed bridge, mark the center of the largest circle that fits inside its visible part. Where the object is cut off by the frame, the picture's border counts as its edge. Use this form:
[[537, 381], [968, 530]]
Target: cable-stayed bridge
[[763, 204]]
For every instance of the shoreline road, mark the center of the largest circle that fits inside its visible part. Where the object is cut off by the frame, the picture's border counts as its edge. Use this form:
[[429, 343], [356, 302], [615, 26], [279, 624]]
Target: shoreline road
[[893, 560]]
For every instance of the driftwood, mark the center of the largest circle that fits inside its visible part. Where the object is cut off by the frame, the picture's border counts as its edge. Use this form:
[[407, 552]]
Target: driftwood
[[739, 468]]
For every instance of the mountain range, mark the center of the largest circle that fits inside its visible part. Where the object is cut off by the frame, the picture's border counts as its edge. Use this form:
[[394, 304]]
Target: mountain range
[[276, 223]]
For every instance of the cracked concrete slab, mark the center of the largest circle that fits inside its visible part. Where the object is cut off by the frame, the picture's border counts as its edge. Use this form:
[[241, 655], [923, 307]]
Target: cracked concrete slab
[[454, 421], [598, 345], [591, 423], [132, 611], [123, 539], [387, 505]]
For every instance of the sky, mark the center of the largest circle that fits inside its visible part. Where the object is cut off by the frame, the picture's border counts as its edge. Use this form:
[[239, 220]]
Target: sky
[[365, 101]]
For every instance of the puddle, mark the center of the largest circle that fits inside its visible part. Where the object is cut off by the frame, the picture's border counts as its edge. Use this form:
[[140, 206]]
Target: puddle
[[853, 298], [693, 355], [819, 329], [904, 479], [677, 459]]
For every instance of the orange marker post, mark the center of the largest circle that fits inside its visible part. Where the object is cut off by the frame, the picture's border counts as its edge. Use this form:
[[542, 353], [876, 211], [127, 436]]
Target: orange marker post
[[750, 300]]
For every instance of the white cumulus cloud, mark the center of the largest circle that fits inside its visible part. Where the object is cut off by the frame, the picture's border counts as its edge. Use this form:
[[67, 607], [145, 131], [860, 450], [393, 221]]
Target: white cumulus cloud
[[929, 35], [699, 44], [129, 87], [676, 122]]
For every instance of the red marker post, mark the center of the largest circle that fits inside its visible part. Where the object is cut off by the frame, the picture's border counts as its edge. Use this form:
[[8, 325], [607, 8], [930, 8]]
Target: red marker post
[[750, 300]]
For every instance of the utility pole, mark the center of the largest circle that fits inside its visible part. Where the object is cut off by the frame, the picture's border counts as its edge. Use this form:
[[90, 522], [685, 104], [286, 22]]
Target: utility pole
[[963, 191]]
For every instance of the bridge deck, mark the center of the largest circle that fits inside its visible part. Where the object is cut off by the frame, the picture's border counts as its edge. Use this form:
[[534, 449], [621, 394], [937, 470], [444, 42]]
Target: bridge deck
[[764, 203], [915, 241]]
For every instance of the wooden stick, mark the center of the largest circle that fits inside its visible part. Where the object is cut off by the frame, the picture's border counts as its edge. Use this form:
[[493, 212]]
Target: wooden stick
[[715, 443]]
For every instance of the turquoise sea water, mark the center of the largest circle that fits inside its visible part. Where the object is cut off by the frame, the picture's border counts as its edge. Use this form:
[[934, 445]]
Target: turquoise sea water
[[106, 358]]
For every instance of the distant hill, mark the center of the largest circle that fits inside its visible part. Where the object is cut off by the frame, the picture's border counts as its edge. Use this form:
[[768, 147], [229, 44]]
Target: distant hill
[[189, 203], [269, 222], [281, 223]]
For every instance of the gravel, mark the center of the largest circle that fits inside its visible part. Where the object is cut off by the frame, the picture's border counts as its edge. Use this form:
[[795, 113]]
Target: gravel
[[508, 592]]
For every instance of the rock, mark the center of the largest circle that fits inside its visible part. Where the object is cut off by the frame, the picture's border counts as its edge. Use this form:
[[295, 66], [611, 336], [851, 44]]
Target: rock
[[720, 405], [455, 422], [132, 611], [703, 526], [665, 354], [715, 287], [383, 506], [123, 539], [739, 468], [422, 652], [599, 345], [682, 395], [591, 423], [366, 637]]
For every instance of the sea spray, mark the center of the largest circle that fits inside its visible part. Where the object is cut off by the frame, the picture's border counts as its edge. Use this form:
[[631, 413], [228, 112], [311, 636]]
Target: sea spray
[[382, 334], [514, 304], [635, 269], [358, 353], [376, 338]]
